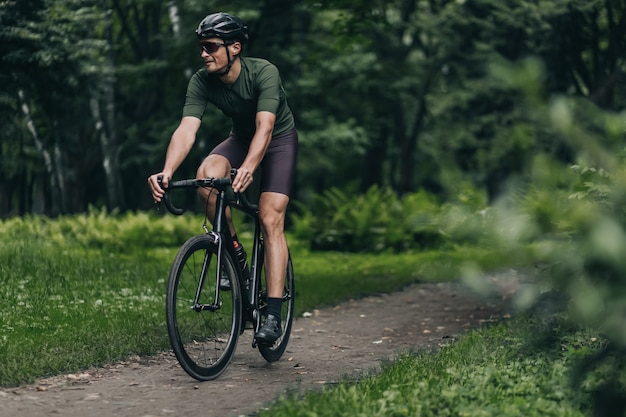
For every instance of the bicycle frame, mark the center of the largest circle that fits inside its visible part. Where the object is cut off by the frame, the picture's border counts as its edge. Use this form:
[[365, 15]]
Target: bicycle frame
[[220, 228], [226, 198]]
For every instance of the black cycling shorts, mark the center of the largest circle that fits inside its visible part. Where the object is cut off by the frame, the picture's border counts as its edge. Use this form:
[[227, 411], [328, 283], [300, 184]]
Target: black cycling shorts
[[278, 167]]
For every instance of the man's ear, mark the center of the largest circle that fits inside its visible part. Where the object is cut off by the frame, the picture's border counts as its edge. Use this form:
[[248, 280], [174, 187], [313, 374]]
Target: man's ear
[[236, 48]]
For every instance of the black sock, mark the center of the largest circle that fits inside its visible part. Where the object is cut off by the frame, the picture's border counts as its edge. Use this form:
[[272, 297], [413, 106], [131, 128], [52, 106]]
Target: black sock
[[274, 306]]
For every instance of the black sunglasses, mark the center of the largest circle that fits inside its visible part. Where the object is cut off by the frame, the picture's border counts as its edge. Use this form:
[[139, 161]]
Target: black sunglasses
[[210, 47]]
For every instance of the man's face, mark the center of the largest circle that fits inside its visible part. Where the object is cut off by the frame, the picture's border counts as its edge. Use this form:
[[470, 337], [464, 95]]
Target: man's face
[[213, 52]]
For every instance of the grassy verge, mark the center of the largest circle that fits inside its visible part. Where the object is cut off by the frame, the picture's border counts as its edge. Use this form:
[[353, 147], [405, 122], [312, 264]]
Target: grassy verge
[[87, 290], [65, 309], [509, 369]]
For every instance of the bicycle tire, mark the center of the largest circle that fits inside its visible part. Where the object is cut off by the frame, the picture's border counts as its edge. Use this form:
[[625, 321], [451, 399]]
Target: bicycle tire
[[203, 341], [275, 352]]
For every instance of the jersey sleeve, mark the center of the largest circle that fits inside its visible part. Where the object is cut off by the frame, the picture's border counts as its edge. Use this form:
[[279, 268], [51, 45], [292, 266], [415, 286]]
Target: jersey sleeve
[[195, 100], [268, 89]]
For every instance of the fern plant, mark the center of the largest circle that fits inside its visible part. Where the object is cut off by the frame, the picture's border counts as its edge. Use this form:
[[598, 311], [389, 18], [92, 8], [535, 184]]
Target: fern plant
[[375, 221]]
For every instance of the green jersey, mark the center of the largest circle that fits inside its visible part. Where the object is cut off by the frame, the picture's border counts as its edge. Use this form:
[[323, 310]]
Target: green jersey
[[258, 88]]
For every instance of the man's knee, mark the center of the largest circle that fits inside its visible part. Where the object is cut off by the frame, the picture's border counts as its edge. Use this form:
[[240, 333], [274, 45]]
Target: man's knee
[[271, 221], [214, 166]]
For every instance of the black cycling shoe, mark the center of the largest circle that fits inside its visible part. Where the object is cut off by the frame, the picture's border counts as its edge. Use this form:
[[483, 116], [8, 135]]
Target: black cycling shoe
[[269, 332]]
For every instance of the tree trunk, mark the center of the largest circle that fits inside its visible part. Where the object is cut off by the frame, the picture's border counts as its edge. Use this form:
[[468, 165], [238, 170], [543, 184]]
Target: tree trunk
[[408, 156], [174, 16], [105, 125], [59, 169], [56, 186], [110, 158], [372, 170]]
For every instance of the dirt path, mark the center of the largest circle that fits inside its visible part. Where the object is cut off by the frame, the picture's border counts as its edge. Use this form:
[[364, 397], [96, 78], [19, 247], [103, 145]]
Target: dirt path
[[347, 340]]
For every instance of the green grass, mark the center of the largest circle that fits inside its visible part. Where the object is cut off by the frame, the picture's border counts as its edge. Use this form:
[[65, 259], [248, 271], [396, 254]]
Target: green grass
[[65, 309], [495, 371], [327, 278], [82, 291]]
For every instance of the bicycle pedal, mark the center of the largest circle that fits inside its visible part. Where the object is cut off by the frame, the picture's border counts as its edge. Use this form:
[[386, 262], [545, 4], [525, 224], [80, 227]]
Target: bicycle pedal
[[262, 343]]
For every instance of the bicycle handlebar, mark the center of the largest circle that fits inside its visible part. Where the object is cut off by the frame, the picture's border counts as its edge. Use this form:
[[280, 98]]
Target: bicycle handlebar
[[221, 184]]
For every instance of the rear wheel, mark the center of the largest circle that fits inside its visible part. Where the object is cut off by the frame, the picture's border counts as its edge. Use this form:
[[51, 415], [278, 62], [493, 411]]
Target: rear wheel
[[274, 352], [203, 335]]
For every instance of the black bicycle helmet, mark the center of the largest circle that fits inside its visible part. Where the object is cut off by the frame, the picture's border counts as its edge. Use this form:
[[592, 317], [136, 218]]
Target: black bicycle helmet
[[224, 26]]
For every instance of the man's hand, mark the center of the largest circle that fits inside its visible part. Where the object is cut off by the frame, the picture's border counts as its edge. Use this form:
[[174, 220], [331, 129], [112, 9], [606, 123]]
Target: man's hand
[[242, 180], [155, 187]]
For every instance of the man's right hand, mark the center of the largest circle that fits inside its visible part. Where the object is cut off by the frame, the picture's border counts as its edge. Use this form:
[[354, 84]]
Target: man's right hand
[[155, 187]]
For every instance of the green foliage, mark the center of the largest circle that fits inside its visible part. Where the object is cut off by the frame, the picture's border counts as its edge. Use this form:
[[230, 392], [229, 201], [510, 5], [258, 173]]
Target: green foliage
[[574, 218], [594, 184], [375, 221], [50, 59], [568, 218], [405, 89], [379, 220], [493, 371], [98, 229]]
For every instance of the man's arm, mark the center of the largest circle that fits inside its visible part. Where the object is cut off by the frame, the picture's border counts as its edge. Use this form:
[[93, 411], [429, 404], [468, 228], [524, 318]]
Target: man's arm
[[181, 142], [260, 141]]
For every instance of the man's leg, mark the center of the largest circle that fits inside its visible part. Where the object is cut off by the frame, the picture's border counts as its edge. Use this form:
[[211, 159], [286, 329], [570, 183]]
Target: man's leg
[[214, 166], [272, 209]]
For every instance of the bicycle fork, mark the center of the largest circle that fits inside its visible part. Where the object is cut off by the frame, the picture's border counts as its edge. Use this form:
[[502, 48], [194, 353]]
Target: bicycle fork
[[217, 302], [220, 221]]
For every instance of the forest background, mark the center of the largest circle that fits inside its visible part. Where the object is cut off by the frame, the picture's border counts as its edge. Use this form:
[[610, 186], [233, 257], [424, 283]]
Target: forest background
[[403, 94]]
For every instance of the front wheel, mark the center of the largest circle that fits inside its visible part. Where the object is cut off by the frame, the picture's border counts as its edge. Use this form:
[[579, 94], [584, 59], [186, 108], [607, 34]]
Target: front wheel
[[274, 352], [203, 321]]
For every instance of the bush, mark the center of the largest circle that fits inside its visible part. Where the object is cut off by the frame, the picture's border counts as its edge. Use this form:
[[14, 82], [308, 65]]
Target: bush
[[111, 232], [379, 220]]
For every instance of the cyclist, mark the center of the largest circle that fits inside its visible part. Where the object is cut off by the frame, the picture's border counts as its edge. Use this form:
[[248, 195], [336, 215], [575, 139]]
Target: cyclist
[[263, 135]]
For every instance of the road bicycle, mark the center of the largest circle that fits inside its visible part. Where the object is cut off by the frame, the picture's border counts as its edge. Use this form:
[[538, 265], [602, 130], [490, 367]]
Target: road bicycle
[[204, 316]]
